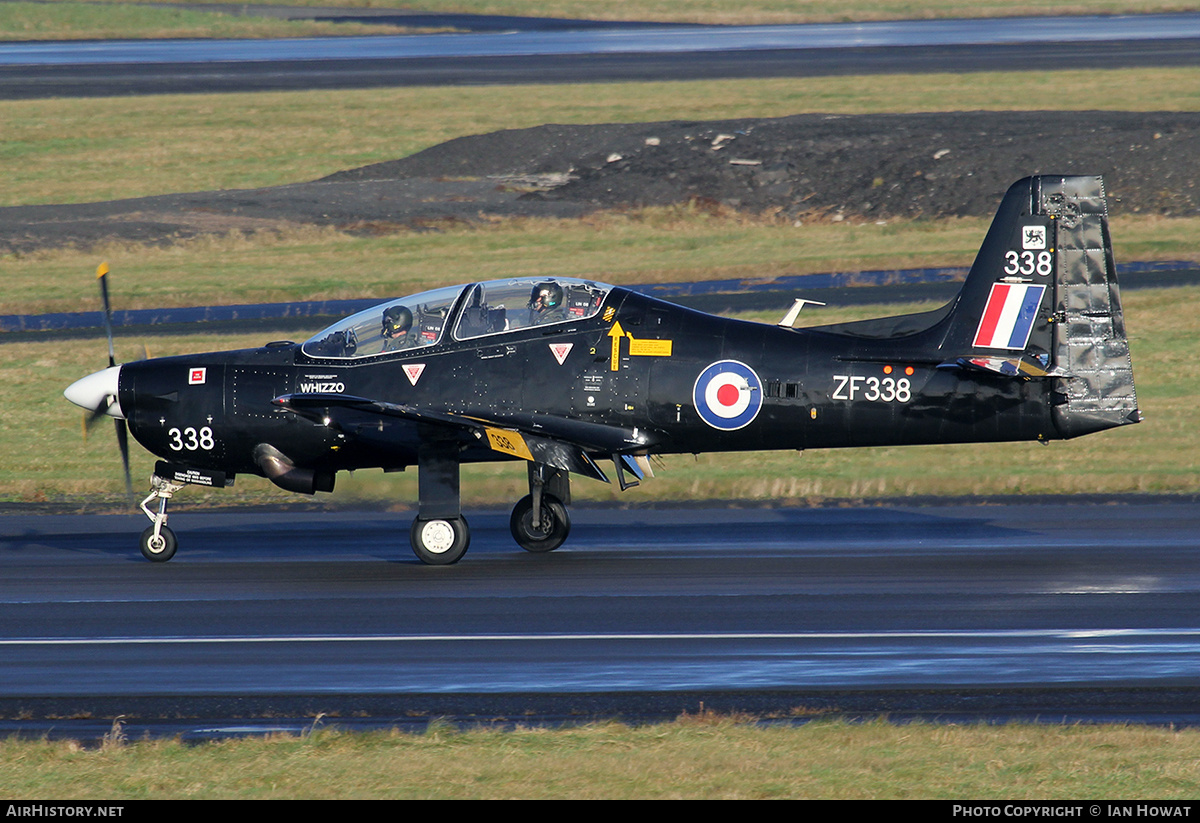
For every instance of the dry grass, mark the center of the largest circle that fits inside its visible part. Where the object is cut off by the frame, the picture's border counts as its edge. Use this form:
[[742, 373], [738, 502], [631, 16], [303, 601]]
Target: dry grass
[[648, 246], [766, 11], [696, 757], [21, 21], [92, 149]]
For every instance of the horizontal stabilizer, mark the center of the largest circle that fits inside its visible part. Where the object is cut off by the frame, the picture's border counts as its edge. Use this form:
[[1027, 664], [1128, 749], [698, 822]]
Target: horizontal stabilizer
[[1026, 366]]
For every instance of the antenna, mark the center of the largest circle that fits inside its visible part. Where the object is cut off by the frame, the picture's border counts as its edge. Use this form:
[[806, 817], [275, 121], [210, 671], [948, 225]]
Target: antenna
[[789, 319]]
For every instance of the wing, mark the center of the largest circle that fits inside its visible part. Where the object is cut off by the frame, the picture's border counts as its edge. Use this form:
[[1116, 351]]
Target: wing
[[570, 445]]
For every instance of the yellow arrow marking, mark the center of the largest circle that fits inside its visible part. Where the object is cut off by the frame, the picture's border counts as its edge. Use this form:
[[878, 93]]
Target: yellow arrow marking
[[616, 333]]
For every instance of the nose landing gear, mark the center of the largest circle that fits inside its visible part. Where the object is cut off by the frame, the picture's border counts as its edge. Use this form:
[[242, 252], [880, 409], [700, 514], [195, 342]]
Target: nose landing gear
[[158, 542]]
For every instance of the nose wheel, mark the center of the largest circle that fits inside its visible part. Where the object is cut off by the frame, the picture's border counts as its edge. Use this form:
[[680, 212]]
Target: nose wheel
[[158, 544]]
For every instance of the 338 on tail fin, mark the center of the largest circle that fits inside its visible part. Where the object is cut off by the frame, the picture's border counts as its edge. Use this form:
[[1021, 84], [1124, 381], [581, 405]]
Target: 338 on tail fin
[[1042, 302]]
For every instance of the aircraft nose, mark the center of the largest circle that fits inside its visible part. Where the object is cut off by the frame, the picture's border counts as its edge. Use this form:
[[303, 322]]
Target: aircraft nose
[[97, 392]]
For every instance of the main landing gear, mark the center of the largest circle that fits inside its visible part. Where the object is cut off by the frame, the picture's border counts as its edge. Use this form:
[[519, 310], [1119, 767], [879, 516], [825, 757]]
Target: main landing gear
[[541, 531], [440, 541], [440, 535], [539, 521]]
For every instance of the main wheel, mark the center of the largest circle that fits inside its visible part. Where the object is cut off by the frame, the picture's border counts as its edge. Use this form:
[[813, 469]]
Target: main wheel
[[159, 549], [440, 542], [546, 535]]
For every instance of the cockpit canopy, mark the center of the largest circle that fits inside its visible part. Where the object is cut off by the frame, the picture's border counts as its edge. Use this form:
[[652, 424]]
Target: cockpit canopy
[[463, 312]]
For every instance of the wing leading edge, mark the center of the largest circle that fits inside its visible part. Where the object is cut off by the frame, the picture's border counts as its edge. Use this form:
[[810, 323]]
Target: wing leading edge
[[570, 445]]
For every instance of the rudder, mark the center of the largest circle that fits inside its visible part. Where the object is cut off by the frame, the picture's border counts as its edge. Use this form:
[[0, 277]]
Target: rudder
[[1042, 302], [1090, 344]]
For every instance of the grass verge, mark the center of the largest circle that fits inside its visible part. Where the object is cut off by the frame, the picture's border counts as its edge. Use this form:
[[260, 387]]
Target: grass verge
[[664, 245], [695, 757], [124, 21], [747, 12]]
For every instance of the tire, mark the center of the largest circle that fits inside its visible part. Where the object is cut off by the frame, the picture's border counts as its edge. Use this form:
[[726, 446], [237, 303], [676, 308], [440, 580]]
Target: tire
[[161, 550], [440, 541], [545, 536]]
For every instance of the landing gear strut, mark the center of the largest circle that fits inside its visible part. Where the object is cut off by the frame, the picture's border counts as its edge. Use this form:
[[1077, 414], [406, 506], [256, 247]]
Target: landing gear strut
[[440, 534], [158, 542]]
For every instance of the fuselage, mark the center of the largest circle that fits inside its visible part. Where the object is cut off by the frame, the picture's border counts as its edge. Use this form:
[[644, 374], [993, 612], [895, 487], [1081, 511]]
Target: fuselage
[[637, 363]]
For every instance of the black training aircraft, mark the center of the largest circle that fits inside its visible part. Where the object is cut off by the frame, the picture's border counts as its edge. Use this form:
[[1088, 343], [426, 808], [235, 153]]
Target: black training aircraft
[[566, 373]]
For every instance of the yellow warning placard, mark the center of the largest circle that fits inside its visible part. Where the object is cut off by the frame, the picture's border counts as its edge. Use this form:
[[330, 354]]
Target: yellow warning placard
[[509, 442], [649, 348]]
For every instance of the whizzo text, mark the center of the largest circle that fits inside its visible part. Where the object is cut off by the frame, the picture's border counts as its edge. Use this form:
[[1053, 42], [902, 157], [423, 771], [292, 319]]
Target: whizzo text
[[323, 388]]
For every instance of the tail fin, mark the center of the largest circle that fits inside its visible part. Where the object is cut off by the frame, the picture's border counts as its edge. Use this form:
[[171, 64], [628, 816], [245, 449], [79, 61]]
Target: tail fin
[[1042, 301]]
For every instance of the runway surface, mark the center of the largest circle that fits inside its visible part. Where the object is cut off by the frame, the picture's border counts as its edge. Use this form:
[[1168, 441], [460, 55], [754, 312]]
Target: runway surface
[[535, 52], [537, 42], [778, 605]]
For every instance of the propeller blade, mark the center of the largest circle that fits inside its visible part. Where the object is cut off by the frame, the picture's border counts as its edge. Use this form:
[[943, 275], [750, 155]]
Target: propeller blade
[[106, 402], [101, 275], [90, 418], [123, 444]]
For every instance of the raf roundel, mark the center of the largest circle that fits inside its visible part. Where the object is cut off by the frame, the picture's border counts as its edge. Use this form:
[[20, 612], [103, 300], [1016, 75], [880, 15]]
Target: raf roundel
[[728, 395]]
